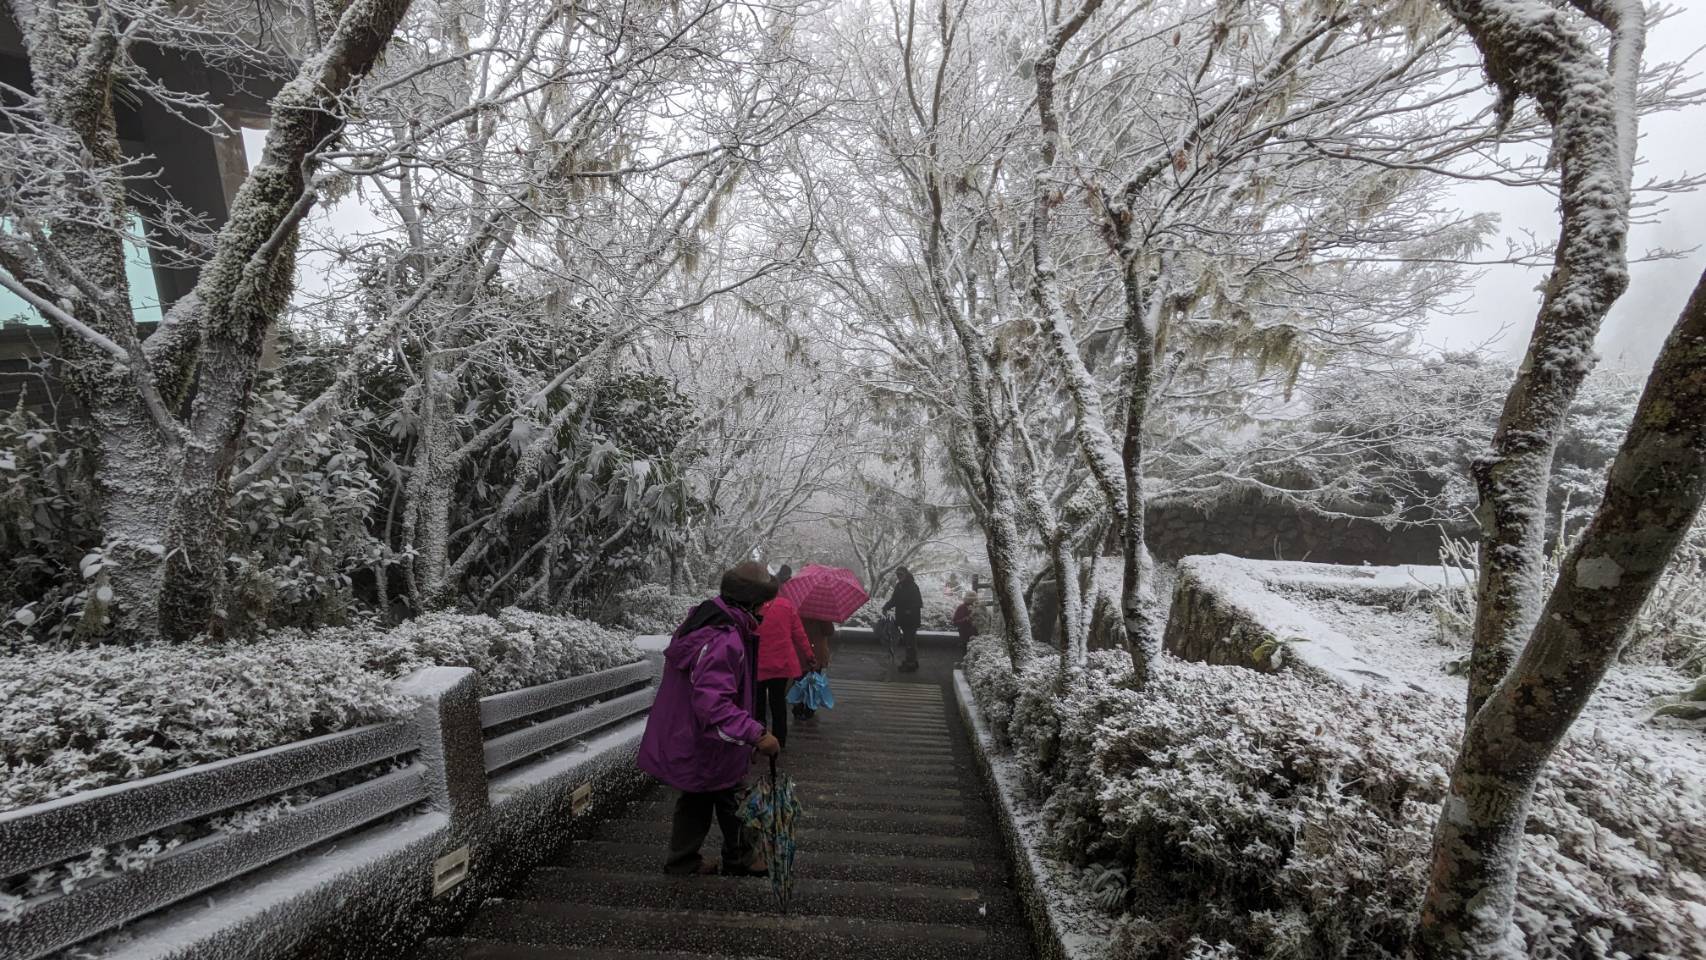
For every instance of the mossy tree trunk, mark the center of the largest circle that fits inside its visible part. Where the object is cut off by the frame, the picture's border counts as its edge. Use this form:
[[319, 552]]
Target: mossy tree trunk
[[243, 291], [74, 52], [1544, 54], [1535, 659], [162, 479], [1652, 495]]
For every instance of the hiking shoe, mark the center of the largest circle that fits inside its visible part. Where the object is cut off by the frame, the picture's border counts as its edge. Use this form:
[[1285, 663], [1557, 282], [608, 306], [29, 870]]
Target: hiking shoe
[[704, 868]]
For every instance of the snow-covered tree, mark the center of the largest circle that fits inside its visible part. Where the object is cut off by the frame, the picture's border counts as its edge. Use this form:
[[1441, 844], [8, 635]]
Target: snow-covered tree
[[163, 469], [522, 170], [1538, 654]]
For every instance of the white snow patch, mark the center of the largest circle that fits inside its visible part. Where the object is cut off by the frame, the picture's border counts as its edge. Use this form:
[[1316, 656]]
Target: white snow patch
[[1402, 643], [1598, 573], [1278, 595]]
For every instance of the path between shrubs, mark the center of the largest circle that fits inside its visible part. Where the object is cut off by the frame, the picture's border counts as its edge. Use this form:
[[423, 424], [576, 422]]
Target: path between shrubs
[[899, 857]]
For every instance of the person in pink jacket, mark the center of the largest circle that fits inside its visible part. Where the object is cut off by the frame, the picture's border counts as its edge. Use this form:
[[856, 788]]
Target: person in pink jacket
[[784, 655]]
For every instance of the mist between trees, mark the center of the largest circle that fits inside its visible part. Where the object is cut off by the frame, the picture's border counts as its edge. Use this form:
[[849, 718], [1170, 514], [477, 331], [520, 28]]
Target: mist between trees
[[637, 290]]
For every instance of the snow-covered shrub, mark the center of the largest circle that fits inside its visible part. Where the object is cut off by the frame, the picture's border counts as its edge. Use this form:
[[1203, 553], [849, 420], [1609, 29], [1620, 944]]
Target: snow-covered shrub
[[647, 609], [511, 650], [561, 646], [297, 534], [76, 720], [80, 719], [1669, 629], [1264, 803], [992, 681], [47, 526], [1273, 816]]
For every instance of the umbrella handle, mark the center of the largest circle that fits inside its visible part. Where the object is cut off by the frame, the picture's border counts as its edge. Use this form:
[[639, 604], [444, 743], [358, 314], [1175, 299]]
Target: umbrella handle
[[773, 771]]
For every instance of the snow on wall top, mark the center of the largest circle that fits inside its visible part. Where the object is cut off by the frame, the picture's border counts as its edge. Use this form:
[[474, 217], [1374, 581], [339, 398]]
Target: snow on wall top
[[1258, 591]]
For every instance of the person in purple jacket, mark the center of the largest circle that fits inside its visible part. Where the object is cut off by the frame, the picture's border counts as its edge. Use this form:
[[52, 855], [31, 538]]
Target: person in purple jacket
[[701, 734]]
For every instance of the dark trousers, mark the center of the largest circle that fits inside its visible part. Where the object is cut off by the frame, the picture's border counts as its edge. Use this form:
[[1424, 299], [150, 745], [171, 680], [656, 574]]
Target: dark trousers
[[909, 641], [773, 707], [693, 813]]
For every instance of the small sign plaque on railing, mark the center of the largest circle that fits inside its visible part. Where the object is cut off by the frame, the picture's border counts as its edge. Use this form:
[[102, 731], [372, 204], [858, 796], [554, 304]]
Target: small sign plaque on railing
[[449, 870]]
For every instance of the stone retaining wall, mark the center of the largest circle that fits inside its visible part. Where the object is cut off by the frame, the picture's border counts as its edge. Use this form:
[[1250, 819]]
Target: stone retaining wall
[[1055, 941], [1270, 530], [1233, 611]]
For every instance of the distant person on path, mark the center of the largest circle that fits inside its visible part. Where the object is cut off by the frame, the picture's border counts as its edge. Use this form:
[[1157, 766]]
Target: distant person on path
[[701, 733], [820, 633], [908, 606], [965, 618], [784, 655]]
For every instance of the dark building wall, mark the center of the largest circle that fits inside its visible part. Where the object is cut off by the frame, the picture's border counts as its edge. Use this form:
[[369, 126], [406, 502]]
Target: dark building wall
[[182, 164], [1261, 529]]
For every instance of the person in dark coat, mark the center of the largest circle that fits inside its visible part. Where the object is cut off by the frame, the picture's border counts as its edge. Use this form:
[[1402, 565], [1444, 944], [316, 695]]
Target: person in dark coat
[[701, 733], [908, 606]]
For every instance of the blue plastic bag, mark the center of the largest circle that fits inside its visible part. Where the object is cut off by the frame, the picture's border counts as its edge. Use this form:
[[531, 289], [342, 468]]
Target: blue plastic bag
[[812, 692]]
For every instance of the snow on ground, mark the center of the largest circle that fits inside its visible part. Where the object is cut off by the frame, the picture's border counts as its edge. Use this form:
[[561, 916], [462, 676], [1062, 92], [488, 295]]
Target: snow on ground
[[1084, 932], [1404, 641]]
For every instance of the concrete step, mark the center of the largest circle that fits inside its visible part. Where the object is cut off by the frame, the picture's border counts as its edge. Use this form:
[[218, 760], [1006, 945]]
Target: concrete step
[[898, 688], [462, 948], [828, 805], [899, 695], [862, 706], [899, 749], [826, 796], [936, 824], [818, 742], [890, 754], [917, 903], [812, 839], [881, 783], [861, 787], [984, 872], [866, 704], [867, 726], [931, 775], [861, 730], [792, 937], [801, 757]]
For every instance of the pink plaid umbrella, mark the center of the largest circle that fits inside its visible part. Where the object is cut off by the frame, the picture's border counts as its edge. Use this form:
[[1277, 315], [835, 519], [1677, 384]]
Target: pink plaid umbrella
[[826, 593]]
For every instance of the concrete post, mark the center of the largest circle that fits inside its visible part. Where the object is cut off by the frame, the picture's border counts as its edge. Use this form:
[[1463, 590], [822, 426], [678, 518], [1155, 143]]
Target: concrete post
[[452, 748], [653, 647]]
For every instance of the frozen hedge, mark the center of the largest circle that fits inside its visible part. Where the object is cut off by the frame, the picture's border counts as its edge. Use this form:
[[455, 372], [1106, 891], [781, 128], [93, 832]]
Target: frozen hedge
[[1265, 816], [81, 719], [648, 609]]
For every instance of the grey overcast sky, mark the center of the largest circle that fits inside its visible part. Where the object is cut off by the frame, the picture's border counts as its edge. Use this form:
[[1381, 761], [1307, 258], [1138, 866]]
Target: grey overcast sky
[[1671, 144]]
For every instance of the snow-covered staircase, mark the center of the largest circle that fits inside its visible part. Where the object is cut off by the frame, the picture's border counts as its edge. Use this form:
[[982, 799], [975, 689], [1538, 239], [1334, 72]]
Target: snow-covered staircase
[[899, 858]]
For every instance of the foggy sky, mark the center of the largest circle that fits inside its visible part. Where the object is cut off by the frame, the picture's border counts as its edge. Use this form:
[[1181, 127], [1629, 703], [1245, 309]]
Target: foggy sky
[[1671, 144]]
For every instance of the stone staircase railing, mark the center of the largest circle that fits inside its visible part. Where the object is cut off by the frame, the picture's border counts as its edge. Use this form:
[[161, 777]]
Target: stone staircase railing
[[442, 756]]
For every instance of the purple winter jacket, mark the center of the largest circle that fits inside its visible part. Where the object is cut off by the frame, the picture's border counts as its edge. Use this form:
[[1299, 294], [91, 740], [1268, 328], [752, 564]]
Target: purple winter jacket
[[701, 734]]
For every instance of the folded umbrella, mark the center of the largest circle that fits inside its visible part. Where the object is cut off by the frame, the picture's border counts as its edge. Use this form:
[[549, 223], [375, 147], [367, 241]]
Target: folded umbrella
[[826, 593], [770, 812]]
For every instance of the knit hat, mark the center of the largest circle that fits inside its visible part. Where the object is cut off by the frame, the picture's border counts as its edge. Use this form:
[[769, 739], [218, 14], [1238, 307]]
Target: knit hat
[[748, 585]]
